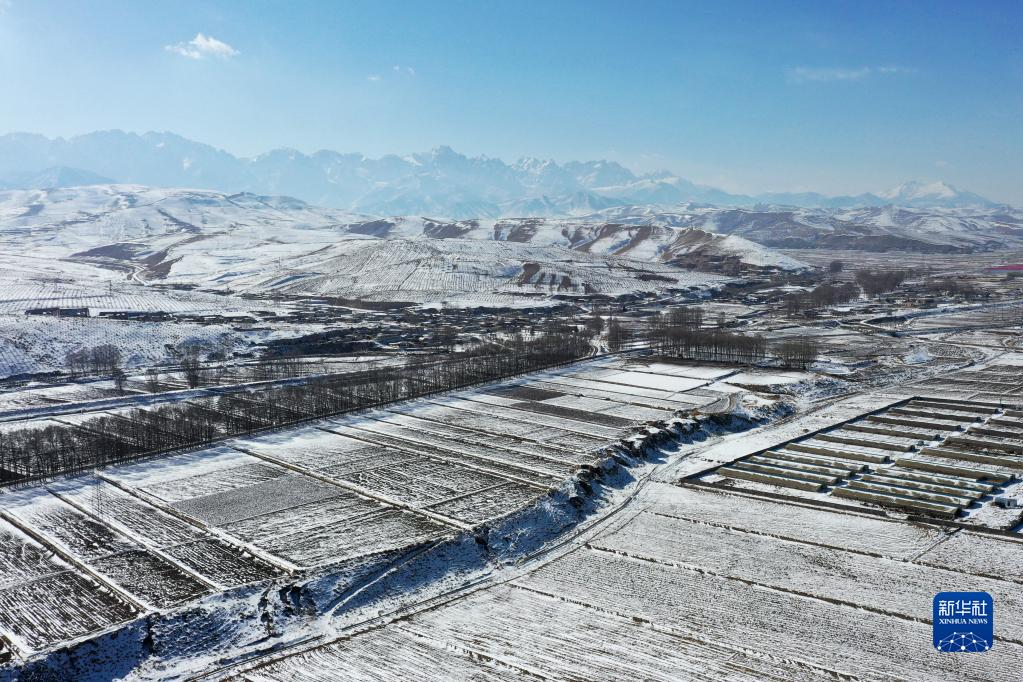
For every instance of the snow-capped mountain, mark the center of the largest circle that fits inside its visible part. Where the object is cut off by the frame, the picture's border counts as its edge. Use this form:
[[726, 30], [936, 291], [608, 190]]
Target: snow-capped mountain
[[933, 194], [440, 182]]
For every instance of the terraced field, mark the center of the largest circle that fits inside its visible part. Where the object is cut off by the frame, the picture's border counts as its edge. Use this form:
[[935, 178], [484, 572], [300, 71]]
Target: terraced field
[[940, 456], [700, 584], [158, 535]]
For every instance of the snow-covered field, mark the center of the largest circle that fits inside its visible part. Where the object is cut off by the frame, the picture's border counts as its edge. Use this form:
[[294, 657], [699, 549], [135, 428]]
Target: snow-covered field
[[378, 521], [697, 584], [155, 536]]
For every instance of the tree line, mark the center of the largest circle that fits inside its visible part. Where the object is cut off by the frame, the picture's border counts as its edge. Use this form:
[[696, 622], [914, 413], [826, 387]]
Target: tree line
[[59, 449], [680, 333], [876, 282], [820, 296]]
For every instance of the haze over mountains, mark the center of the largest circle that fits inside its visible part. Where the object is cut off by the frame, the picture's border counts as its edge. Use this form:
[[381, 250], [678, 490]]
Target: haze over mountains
[[440, 182]]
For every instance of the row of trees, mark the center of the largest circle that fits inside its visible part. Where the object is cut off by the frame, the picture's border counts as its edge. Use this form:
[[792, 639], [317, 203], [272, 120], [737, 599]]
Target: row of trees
[[102, 359], [715, 345], [797, 353], [201, 362], [875, 282], [820, 296], [681, 333], [43, 452], [952, 287]]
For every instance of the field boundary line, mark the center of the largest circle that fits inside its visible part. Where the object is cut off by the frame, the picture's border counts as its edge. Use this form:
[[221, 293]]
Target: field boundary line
[[351, 487], [287, 567]]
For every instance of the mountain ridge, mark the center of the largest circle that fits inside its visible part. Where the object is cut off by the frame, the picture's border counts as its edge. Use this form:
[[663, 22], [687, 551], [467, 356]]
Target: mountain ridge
[[439, 182]]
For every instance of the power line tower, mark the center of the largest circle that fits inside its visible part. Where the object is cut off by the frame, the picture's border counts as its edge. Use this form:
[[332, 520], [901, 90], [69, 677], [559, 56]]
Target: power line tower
[[98, 501]]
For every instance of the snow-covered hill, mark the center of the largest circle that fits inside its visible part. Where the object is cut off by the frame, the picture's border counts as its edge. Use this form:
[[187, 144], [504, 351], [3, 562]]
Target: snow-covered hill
[[653, 242], [149, 228], [246, 243], [461, 272], [871, 228]]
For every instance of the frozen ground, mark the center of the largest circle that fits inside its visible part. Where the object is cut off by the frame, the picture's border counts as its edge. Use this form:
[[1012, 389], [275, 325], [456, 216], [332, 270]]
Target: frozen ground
[[493, 533], [688, 583], [317, 510]]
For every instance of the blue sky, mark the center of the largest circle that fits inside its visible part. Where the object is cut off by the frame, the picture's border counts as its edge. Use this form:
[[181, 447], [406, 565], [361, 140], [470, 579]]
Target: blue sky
[[830, 96]]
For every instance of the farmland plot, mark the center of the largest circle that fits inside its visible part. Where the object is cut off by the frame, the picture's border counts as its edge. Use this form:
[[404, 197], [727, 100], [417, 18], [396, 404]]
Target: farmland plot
[[145, 576], [487, 504], [424, 482], [224, 480], [731, 613], [311, 447], [371, 534], [137, 519], [706, 373], [850, 531], [620, 397], [65, 526], [415, 450], [145, 524], [57, 608], [334, 511], [658, 381], [606, 406], [579, 415], [890, 586], [578, 643], [467, 415], [289, 490], [381, 656], [375, 456], [43, 600], [524, 464], [489, 406], [156, 472], [524, 392], [580, 381], [23, 559], [222, 564], [980, 554], [463, 435], [151, 579], [582, 417]]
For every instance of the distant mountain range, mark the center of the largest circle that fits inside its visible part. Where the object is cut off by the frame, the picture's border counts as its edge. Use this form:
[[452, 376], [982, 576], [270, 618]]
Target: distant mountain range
[[440, 182]]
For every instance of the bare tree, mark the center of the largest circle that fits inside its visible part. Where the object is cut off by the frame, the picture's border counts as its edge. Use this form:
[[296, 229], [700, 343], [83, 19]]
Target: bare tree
[[188, 355], [800, 352], [153, 380], [120, 377], [875, 282], [77, 362], [616, 335]]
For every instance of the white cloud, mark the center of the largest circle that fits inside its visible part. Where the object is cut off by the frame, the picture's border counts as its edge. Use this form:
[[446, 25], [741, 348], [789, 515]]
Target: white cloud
[[809, 74], [373, 78], [940, 163], [202, 46]]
